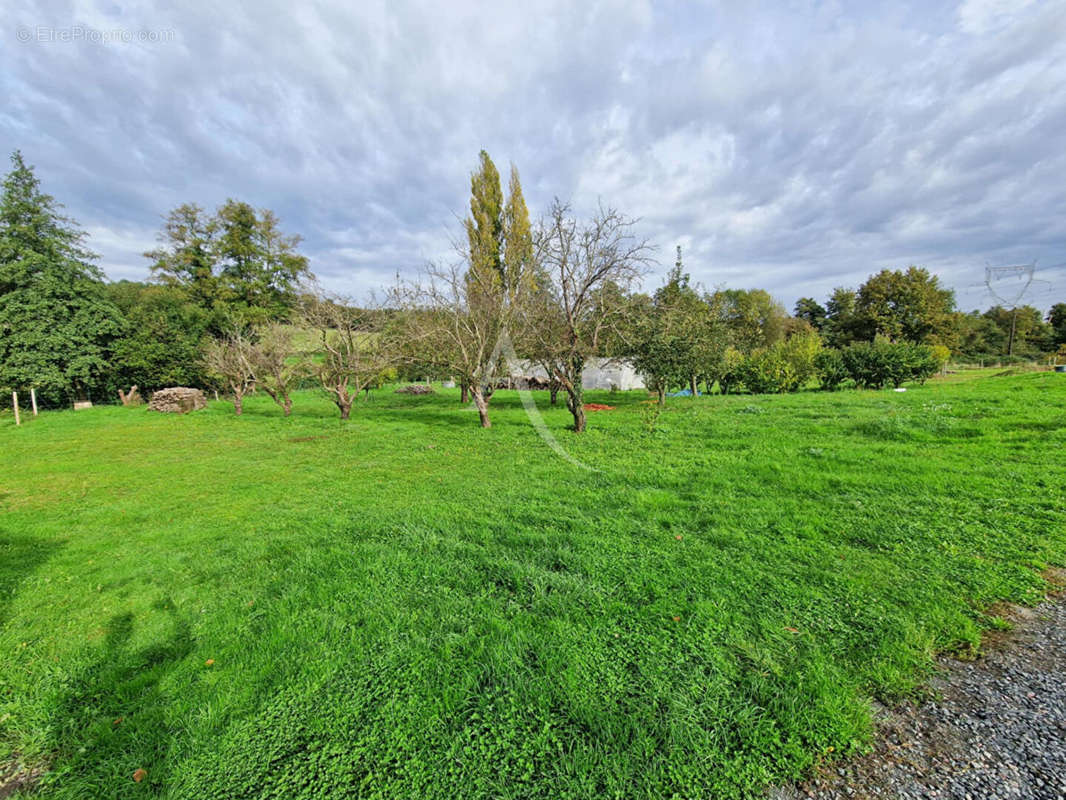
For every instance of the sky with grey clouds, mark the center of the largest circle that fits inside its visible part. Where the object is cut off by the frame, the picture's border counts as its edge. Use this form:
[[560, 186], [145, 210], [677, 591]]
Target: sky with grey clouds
[[793, 146]]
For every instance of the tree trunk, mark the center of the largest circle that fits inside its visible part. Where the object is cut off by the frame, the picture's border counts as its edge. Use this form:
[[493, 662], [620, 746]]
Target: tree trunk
[[578, 412], [346, 408], [238, 403], [482, 408], [694, 385], [287, 406], [575, 405], [554, 390], [660, 394], [464, 397]]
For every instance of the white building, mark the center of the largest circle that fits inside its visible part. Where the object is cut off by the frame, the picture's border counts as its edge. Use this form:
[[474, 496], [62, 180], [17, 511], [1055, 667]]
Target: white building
[[603, 373], [599, 373]]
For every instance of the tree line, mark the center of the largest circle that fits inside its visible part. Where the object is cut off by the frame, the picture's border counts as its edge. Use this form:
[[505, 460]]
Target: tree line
[[232, 305], [912, 305]]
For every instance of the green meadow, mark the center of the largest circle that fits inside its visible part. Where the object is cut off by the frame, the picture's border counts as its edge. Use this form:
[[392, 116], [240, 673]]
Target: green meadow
[[408, 606]]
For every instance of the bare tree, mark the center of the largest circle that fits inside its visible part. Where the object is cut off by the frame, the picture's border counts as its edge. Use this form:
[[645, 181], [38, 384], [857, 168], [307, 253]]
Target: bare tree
[[458, 317], [276, 363], [584, 273], [462, 316], [354, 348], [227, 359]]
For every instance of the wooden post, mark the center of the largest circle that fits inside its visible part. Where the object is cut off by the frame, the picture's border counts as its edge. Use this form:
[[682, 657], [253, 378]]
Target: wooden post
[[33, 400], [15, 404]]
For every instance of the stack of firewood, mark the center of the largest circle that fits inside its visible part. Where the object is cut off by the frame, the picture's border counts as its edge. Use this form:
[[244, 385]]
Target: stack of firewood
[[177, 400]]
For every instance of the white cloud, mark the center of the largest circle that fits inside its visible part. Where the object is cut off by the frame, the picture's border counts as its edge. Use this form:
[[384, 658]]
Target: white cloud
[[793, 149], [982, 16]]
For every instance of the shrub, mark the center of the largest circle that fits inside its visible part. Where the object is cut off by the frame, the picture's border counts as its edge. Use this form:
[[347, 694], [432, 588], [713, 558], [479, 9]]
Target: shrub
[[942, 355], [895, 360], [864, 365], [922, 362], [872, 365], [162, 340], [728, 370], [830, 369], [767, 371], [799, 352], [649, 415], [387, 375], [783, 367]]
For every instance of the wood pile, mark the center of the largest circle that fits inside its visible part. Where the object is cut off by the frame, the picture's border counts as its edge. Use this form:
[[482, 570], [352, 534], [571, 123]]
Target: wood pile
[[177, 400]]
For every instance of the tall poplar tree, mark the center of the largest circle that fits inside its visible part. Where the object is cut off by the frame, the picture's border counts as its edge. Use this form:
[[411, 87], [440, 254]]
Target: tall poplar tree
[[498, 232], [517, 261], [462, 313], [484, 226], [56, 322], [500, 239]]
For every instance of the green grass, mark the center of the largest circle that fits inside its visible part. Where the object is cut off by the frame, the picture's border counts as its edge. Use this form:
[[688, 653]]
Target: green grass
[[408, 606]]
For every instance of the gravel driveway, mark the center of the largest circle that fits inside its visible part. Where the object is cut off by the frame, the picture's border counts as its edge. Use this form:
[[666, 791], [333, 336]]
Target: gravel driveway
[[996, 730]]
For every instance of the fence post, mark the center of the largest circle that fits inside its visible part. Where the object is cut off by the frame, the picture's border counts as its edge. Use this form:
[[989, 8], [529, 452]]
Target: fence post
[[15, 404], [33, 400]]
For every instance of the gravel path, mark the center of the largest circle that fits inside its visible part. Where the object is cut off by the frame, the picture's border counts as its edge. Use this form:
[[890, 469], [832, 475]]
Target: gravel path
[[997, 728]]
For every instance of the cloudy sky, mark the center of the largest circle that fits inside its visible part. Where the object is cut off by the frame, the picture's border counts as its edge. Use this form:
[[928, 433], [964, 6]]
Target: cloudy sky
[[794, 146]]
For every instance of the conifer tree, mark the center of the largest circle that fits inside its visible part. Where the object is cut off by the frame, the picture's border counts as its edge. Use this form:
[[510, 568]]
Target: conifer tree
[[56, 322]]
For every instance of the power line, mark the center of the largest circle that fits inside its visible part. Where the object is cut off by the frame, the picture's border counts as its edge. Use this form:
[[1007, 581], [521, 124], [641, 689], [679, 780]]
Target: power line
[[1024, 276]]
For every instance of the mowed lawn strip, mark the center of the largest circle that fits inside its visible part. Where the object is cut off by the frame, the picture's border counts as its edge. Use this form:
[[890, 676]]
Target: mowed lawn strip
[[406, 605]]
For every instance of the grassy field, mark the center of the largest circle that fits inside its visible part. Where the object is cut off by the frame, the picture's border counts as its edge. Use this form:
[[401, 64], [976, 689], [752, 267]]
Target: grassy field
[[409, 606]]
